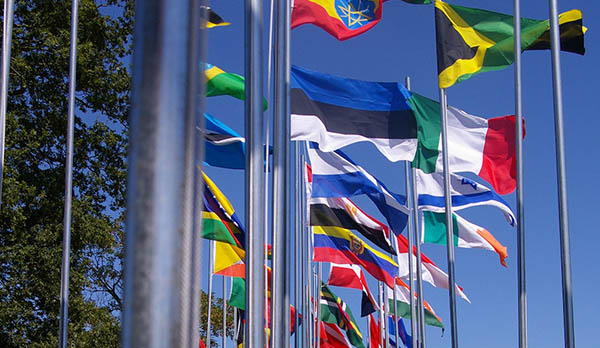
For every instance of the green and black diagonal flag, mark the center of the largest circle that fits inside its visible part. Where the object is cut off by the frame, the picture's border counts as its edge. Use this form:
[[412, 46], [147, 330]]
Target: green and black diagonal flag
[[335, 311], [471, 41]]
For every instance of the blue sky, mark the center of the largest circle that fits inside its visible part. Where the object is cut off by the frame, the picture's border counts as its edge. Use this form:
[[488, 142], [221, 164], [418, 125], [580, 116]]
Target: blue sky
[[403, 44]]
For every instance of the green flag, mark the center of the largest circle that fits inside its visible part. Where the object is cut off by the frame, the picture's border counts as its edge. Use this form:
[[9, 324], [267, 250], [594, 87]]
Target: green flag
[[335, 311]]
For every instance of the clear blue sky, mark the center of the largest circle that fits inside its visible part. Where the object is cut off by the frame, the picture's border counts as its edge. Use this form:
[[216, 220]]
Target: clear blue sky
[[402, 44]]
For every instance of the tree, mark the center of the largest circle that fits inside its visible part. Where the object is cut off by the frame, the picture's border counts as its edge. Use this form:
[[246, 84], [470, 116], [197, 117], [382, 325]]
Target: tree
[[216, 319], [33, 191]]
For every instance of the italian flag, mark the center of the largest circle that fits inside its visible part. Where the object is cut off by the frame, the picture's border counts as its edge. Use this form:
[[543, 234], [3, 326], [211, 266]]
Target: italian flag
[[402, 292], [466, 234], [485, 147]]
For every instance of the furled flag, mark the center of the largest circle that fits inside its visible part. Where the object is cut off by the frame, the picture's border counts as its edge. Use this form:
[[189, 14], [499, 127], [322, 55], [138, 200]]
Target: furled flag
[[431, 273], [465, 193], [342, 212], [403, 304], [239, 328], [342, 19], [332, 337], [339, 245], [471, 41], [485, 147], [374, 333], [219, 82], [466, 234], [335, 175], [402, 333], [219, 221], [334, 112], [214, 20], [351, 276], [335, 311], [225, 148]]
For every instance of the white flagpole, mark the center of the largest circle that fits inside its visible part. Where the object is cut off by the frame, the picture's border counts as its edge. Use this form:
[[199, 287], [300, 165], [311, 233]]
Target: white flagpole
[[297, 229], [255, 220], [521, 279], [211, 258], [9, 6], [449, 228], [224, 344], [318, 342], [65, 269], [395, 316], [565, 247], [381, 317], [386, 313]]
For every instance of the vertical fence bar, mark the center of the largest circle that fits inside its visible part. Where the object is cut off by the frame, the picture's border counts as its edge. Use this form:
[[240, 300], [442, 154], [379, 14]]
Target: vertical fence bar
[[159, 205], [9, 6], [565, 244], [521, 279], [66, 245]]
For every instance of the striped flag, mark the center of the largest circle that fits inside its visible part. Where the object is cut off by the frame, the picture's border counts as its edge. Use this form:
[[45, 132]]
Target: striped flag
[[225, 148], [219, 220], [335, 311], [351, 276], [402, 292], [219, 82]]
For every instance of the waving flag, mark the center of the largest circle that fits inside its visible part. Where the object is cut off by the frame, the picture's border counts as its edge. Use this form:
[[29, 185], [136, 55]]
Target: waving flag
[[342, 19], [332, 337], [339, 245], [342, 212], [334, 174], [219, 220], [335, 112], [471, 41], [225, 148], [431, 273], [351, 276], [485, 147], [402, 292], [465, 193], [466, 234], [374, 333], [214, 20], [229, 260], [335, 311], [402, 333], [219, 82]]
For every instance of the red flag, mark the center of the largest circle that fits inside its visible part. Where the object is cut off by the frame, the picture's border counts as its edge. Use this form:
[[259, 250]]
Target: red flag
[[374, 333], [352, 276], [332, 337]]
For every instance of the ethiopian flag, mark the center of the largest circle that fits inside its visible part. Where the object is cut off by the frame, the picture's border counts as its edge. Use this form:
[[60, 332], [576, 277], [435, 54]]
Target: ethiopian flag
[[219, 82], [471, 41]]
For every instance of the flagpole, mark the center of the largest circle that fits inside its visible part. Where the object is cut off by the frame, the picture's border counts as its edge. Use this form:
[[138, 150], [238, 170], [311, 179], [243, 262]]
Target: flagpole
[[303, 252], [224, 344], [64, 281], [565, 248], [211, 245], [522, 287], [381, 315], [449, 228], [6, 48], [297, 229], [318, 342], [255, 221], [386, 313], [410, 232], [395, 316], [417, 232]]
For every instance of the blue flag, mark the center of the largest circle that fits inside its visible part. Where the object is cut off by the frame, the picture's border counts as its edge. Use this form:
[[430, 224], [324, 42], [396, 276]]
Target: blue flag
[[402, 333]]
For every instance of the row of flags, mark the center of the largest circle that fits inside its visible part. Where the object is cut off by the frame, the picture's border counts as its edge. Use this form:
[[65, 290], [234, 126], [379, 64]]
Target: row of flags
[[330, 112]]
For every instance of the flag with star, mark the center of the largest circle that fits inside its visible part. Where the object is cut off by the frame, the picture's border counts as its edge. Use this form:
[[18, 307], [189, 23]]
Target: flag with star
[[342, 19]]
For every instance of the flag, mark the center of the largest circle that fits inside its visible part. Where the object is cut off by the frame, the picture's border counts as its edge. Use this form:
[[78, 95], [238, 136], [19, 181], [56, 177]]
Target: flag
[[431, 273], [237, 297], [334, 174], [351, 276], [339, 245], [342, 19], [403, 304], [418, 2], [465, 193], [342, 212], [466, 234], [214, 20], [374, 333], [332, 337], [485, 147], [219, 82], [239, 328], [334, 112], [229, 260], [335, 311], [471, 41], [225, 148], [219, 220], [402, 333]]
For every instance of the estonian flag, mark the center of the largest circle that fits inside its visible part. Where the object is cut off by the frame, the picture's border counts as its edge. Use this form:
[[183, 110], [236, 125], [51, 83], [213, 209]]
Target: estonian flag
[[334, 112]]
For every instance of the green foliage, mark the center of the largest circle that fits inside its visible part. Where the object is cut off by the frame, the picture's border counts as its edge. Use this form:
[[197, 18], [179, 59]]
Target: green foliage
[[216, 319], [31, 215]]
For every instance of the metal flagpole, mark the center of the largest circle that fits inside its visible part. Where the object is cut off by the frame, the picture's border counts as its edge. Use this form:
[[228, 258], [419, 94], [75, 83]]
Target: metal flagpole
[[255, 221], [522, 289], [281, 178], [66, 245], [319, 277], [417, 232], [381, 316], [224, 344], [159, 186], [395, 316], [410, 232], [386, 313], [6, 47], [303, 253], [211, 267], [297, 229], [565, 248], [449, 228]]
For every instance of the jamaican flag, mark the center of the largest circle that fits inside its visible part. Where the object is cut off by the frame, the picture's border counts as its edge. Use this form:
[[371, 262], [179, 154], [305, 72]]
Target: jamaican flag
[[471, 41], [335, 311]]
